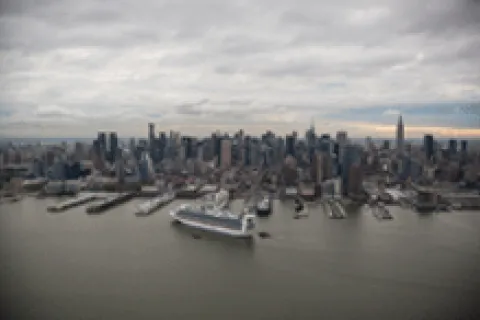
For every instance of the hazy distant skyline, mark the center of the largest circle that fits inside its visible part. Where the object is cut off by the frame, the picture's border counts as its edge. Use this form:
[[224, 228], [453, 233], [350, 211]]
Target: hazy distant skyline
[[72, 68]]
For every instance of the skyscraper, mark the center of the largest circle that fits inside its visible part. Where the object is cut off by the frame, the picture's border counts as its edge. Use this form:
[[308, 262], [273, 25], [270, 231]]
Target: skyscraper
[[226, 153], [452, 147], [112, 152], [247, 156], [463, 146], [151, 134], [350, 157], [290, 145], [400, 136], [341, 138], [428, 146], [102, 140]]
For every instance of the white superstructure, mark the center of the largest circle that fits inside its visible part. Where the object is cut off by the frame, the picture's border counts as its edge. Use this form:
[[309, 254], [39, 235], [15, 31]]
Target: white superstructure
[[219, 200]]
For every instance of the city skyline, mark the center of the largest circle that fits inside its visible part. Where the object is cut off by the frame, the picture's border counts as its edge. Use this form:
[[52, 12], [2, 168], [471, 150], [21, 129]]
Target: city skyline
[[198, 66], [382, 132]]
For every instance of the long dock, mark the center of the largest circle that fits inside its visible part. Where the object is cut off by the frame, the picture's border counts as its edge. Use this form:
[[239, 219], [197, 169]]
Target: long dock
[[150, 206], [72, 203], [110, 202]]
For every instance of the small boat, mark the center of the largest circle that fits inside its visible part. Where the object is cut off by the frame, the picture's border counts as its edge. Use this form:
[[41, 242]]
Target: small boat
[[264, 207], [149, 207], [456, 206], [209, 218], [15, 199], [381, 212], [300, 209]]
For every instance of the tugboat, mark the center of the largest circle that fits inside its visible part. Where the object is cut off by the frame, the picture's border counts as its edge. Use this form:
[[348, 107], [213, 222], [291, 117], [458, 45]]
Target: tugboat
[[381, 212], [300, 210], [264, 206]]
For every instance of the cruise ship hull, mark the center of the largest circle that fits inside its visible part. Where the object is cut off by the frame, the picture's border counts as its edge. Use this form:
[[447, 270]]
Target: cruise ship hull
[[212, 228]]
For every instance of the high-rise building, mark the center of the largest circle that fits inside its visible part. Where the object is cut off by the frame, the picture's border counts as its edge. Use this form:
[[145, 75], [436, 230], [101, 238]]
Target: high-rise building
[[325, 144], [310, 135], [316, 168], [355, 179], [400, 136], [113, 146], [79, 152], [200, 151], [428, 146], [145, 167], [102, 147], [350, 157], [226, 153], [182, 153], [386, 145], [50, 156], [188, 144], [452, 147], [132, 145], [369, 144], [151, 134], [217, 142], [38, 168], [341, 138], [405, 168], [463, 146], [290, 145], [247, 153]]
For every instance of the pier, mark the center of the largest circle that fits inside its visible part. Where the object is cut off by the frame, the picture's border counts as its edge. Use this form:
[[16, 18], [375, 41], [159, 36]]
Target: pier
[[190, 191], [110, 202], [151, 206], [72, 203]]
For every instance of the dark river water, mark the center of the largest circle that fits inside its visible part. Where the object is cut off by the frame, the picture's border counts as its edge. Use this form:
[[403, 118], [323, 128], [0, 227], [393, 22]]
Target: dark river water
[[71, 265]]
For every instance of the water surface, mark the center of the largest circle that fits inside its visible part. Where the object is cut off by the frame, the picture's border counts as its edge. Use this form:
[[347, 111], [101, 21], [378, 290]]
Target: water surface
[[71, 265]]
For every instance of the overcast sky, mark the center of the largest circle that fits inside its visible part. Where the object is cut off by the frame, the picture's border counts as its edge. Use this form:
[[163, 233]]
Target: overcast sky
[[71, 68]]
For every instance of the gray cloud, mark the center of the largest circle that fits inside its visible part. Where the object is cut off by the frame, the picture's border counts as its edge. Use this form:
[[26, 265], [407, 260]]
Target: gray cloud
[[191, 108], [276, 63]]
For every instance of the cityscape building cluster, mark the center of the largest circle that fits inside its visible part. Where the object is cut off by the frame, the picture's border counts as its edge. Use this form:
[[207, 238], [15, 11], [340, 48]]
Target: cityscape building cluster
[[315, 165]]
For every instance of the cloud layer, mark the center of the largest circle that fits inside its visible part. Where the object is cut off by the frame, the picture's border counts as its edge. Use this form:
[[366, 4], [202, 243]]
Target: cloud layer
[[74, 67]]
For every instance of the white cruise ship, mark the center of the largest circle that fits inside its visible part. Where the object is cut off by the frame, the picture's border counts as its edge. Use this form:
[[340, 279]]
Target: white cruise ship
[[209, 218]]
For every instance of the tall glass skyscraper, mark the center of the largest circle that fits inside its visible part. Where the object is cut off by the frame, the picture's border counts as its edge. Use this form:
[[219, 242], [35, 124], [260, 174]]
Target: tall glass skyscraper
[[400, 136], [350, 157], [428, 146]]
